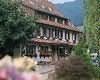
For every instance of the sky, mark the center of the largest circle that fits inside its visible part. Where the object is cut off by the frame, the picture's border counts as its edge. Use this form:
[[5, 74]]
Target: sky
[[61, 1]]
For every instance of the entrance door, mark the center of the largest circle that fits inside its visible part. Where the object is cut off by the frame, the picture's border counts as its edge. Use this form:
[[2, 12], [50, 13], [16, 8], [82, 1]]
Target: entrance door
[[61, 52]]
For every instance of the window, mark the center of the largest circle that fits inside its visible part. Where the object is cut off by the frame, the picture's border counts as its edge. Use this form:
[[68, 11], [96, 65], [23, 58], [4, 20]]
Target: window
[[51, 32], [47, 34], [44, 16], [38, 15], [41, 51], [31, 51], [31, 2], [41, 15], [51, 18], [44, 51], [34, 50], [66, 22], [54, 33], [44, 32], [60, 21], [60, 34], [50, 9], [38, 32], [74, 36], [68, 36]]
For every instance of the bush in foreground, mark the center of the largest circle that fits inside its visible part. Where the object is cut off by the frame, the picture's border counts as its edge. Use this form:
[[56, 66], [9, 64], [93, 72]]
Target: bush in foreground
[[72, 68]]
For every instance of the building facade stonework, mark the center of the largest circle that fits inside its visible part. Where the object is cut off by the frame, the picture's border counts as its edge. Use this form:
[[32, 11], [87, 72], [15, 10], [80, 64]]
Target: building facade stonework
[[56, 35]]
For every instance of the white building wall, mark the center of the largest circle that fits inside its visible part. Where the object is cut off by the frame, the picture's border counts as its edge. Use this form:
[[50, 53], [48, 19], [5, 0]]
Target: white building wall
[[63, 21], [41, 31], [47, 32], [77, 38], [71, 39], [56, 20], [63, 35]]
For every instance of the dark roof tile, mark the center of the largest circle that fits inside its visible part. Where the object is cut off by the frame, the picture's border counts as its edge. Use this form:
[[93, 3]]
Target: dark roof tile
[[42, 5]]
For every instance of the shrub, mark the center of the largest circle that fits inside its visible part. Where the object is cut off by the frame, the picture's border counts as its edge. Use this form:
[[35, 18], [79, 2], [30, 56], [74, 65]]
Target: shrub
[[72, 68]]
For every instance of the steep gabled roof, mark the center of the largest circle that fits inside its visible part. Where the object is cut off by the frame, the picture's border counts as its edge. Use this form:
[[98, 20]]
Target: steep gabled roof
[[43, 5], [47, 7]]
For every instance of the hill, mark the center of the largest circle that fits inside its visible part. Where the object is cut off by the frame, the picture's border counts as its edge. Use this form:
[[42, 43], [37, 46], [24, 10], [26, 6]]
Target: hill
[[73, 11]]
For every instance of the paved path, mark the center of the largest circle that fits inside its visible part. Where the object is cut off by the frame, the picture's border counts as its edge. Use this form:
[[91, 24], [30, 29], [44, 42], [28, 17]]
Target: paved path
[[45, 70]]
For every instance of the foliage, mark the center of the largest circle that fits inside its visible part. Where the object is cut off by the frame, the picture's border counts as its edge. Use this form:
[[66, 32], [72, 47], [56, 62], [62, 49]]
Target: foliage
[[80, 50], [72, 68], [91, 38], [16, 26], [92, 24]]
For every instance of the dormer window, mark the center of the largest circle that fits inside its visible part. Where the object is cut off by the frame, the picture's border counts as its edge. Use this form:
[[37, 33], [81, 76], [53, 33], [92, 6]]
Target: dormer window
[[41, 15], [43, 7], [66, 22], [50, 9], [60, 21], [31, 2]]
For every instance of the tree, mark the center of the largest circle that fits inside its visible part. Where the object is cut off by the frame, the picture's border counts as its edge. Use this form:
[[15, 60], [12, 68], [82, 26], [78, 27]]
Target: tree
[[80, 50], [91, 39], [91, 36], [92, 24], [16, 27]]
